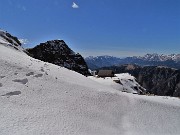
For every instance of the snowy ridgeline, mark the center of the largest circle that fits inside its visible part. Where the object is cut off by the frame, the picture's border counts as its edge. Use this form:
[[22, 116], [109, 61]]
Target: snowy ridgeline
[[9, 40], [42, 98]]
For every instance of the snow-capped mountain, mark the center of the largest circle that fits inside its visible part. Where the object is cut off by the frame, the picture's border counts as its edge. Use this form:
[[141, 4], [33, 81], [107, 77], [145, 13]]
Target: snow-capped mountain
[[37, 97], [58, 52], [172, 61], [161, 57]]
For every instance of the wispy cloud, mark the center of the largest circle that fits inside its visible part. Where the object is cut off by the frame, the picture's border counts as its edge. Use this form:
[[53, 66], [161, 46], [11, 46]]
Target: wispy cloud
[[16, 4], [21, 7], [24, 41], [74, 5]]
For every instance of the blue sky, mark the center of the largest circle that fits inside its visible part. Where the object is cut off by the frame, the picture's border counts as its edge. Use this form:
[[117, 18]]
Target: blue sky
[[97, 27]]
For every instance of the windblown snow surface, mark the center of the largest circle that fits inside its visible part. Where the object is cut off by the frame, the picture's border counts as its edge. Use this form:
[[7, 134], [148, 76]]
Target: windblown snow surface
[[42, 98]]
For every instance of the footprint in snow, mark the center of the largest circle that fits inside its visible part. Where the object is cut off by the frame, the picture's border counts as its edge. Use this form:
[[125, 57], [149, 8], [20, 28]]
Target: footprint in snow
[[46, 73], [42, 70], [30, 64], [19, 68], [2, 77], [38, 75], [15, 73], [12, 93], [22, 81], [45, 64], [30, 73]]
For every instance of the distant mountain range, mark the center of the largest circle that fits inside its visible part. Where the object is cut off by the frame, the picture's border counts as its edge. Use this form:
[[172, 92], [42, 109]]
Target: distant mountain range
[[154, 59]]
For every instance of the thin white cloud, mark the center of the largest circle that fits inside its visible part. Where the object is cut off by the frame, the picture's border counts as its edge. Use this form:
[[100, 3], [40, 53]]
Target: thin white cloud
[[24, 41], [74, 5], [24, 8], [21, 7]]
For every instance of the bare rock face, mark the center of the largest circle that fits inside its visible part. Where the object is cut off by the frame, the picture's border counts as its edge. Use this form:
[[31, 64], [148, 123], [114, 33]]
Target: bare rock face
[[160, 80], [58, 53], [157, 80]]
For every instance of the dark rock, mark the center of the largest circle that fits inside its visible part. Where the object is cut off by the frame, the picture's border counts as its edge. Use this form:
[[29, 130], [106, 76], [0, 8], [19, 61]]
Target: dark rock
[[11, 39], [58, 53]]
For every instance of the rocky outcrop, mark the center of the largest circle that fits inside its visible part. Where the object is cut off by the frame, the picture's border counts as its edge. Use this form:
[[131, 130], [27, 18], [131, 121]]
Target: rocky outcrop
[[58, 53], [8, 38], [160, 80], [157, 80]]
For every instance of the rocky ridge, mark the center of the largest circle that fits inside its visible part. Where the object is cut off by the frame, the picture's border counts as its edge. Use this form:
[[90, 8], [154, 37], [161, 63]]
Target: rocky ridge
[[58, 53], [7, 39]]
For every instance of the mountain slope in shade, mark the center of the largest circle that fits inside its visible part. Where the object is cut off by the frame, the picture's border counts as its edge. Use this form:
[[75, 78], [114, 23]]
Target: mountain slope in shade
[[157, 80], [41, 98], [57, 52]]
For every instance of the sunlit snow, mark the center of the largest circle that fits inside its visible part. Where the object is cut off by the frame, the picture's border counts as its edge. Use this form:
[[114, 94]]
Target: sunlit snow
[[42, 98]]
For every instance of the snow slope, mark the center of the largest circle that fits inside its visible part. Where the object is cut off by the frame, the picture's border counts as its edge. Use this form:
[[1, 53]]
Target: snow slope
[[42, 98], [122, 82]]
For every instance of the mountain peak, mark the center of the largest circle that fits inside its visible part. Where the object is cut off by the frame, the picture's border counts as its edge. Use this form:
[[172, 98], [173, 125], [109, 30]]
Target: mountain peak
[[58, 53]]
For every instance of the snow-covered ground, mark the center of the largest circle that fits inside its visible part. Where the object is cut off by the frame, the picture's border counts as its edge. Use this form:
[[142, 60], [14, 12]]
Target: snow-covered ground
[[122, 82], [42, 98]]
